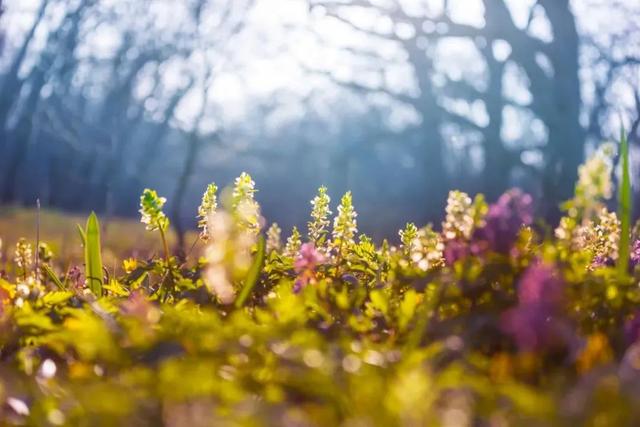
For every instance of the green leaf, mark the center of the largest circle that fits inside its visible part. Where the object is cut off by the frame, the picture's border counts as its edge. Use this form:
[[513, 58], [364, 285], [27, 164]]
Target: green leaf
[[56, 297], [254, 273], [92, 256], [624, 207], [54, 278], [83, 235]]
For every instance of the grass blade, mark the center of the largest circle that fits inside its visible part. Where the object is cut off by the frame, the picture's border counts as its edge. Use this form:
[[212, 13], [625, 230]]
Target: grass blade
[[53, 277], [83, 235], [92, 256], [254, 273], [624, 206]]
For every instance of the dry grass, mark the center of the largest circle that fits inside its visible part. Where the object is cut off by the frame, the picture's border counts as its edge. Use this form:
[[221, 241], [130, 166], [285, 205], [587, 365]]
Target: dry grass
[[121, 238]]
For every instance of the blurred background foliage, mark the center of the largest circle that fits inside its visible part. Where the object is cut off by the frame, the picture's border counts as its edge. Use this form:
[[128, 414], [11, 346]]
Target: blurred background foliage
[[397, 100]]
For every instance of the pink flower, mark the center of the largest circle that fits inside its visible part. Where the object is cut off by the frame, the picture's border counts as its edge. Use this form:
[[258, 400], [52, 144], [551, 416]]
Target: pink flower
[[305, 264]]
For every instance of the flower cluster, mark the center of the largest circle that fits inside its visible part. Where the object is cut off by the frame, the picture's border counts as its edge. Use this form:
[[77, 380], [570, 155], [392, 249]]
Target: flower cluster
[[274, 239], [244, 205], [594, 184], [318, 227], [207, 208], [151, 210], [294, 241], [424, 247], [459, 220], [305, 265], [344, 225], [505, 219]]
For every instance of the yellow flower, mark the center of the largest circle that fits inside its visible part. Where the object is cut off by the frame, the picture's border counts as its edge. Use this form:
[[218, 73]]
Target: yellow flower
[[597, 351], [129, 265]]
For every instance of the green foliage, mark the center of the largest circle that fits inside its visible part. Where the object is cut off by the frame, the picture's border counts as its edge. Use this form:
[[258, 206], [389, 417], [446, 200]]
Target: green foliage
[[253, 274], [487, 320], [93, 256]]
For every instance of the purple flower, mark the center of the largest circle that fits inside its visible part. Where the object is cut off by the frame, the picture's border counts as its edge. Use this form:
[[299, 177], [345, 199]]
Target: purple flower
[[454, 250], [306, 261], [536, 323], [635, 253], [512, 211], [76, 278], [541, 284], [602, 261], [533, 327]]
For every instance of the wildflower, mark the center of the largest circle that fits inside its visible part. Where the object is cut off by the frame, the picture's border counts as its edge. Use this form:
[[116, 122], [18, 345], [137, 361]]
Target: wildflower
[[408, 236], [596, 351], [305, 264], [273, 238], [455, 250], [228, 255], [244, 205], [635, 253], [293, 243], [536, 322], [425, 249], [207, 208], [566, 230], [318, 227], [541, 284], [460, 216], [23, 257], [76, 278], [129, 265], [344, 225], [505, 219], [151, 210], [600, 237], [594, 184]]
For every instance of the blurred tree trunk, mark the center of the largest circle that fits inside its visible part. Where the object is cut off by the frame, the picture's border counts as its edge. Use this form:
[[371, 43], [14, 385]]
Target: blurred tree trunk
[[566, 134], [11, 83], [497, 159]]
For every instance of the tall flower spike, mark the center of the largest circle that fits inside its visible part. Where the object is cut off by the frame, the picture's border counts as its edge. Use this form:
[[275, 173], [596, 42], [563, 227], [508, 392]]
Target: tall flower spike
[[460, 218], [344, 224], [594, 184], [293, 243], [23, 257], [319, 225], [151, 210], [426, 249], [273, 238], [207, 208], [408, 237], [245, 207]]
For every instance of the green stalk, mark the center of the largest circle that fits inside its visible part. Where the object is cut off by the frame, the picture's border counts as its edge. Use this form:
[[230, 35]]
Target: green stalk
[[624, 207], [165, 247]]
